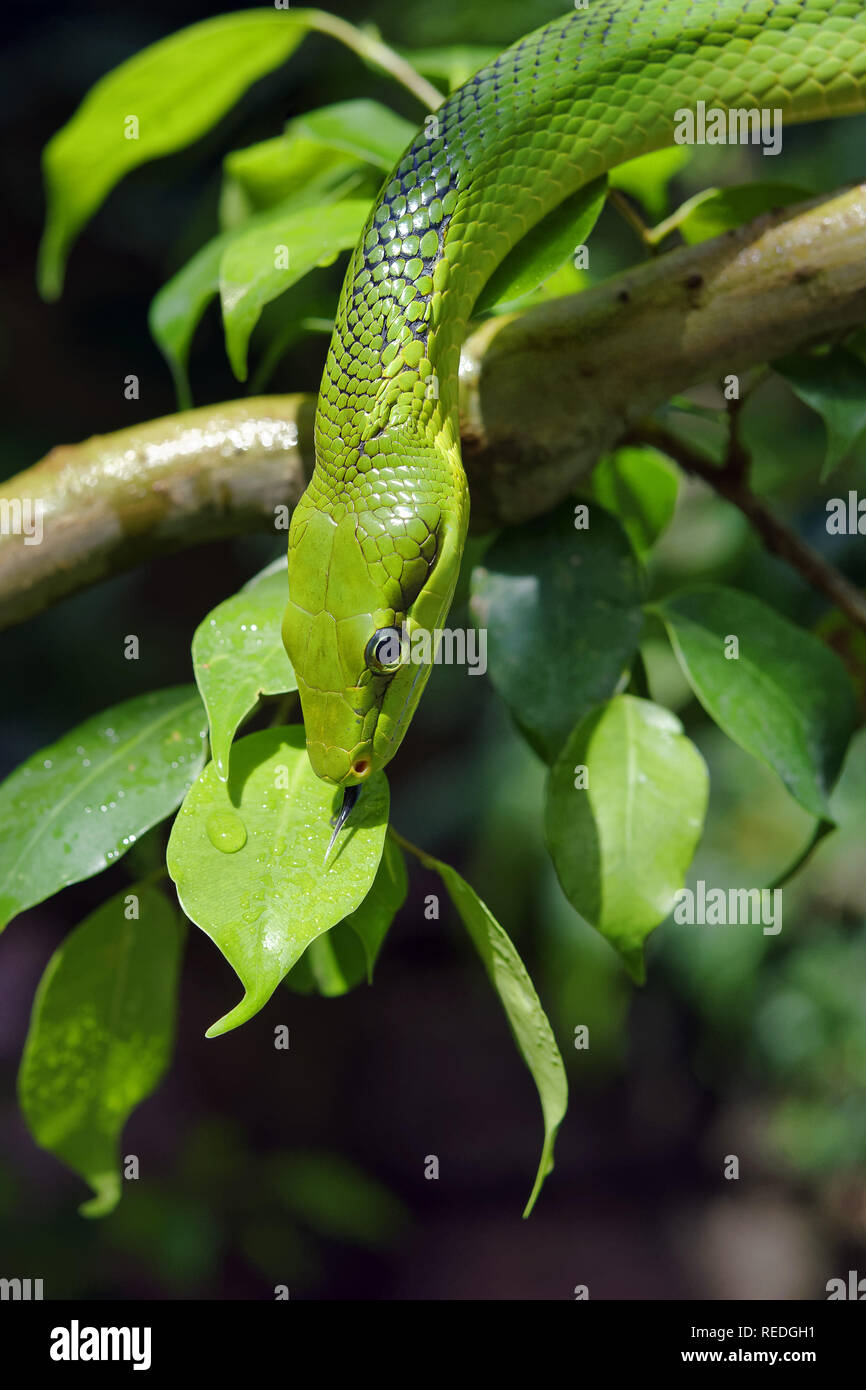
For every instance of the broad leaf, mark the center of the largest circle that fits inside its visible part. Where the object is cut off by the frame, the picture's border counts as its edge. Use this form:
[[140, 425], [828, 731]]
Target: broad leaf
[[75, 807], [260, 264], [238, 655], [340, 959], [248, 860], [544, 249], [625, 807], [101, 1035], [367, 130], [647, 177], [158, 101], [291, 169], [834, 385], [527, 1019], [562, 610], [164, 98], [638, 485], [784, 697]]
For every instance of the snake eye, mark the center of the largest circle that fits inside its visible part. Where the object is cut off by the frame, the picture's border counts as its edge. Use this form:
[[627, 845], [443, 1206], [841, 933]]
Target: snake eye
[[384, 651]]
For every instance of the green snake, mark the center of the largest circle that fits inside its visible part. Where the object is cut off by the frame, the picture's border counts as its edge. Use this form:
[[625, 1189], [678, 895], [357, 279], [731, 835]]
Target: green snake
[[376, 540]]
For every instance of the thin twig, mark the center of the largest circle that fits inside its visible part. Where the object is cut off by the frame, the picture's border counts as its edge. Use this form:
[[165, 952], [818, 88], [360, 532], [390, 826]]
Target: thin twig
[[729, 483], [634, 220]]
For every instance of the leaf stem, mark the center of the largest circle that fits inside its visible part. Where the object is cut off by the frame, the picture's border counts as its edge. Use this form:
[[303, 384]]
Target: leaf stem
[[423, 858], [374, 51]]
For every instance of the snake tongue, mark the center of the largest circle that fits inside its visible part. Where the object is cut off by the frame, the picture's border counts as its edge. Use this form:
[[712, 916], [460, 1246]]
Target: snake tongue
[[350, 796]]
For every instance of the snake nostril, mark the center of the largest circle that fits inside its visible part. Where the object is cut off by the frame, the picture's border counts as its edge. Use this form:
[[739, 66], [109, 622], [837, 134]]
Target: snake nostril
[[361, 767]]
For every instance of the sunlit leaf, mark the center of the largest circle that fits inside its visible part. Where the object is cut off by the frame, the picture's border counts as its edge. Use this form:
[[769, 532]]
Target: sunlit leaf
[[291, 169], [773, 688], [177, 309], [366, 130], [340, 959], [158, 101], [260, 264], [238, 655], [101, 1035], [562, 611], [75, 807], [625, 807], [165, 97], [248, 860]]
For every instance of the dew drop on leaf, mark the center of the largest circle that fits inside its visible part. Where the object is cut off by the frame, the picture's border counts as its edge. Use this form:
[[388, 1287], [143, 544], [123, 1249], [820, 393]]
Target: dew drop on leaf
[[226, 831]]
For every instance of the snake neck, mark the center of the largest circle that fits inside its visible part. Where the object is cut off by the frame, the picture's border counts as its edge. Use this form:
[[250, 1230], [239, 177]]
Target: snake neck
[[551, 113]]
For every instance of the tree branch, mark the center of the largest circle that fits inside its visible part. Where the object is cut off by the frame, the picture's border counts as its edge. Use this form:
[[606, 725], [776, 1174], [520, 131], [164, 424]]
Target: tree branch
[[543, 395]]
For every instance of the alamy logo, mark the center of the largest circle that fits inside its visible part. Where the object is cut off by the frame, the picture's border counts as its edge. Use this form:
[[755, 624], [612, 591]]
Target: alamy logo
[[21, 1290], [22, 516], [733, 126], [77, 1343], [443, 646], [846, 518], [854, 1289], [716, 907]]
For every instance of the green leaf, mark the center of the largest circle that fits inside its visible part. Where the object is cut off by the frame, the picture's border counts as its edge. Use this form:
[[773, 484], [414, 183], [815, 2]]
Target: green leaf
[[340, 959], [101, 1035], [647, 177], [177, 309], [175, 90], [453, 65], [371, 920], [267, 892], [279, 565], [76, 806], [786, 698], [562, 610], [544, 249], [238, 655], [834, 385], [527, 1019], [291, 169], [622, 839], [639, 485], [366, 130], [718, 209], [260, 264]]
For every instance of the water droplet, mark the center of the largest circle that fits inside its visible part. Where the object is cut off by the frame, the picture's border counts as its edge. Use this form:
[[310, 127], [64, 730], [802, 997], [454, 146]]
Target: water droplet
[[226, 831]]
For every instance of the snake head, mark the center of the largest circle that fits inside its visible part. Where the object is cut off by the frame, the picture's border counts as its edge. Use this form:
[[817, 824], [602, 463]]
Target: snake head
[[361, 582]]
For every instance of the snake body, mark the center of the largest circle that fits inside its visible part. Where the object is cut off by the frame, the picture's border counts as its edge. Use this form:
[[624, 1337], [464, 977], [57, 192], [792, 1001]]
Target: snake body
[[376, 540]]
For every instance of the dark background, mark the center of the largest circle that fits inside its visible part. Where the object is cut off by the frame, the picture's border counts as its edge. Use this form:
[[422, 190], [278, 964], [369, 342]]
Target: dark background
[[306, 1168]]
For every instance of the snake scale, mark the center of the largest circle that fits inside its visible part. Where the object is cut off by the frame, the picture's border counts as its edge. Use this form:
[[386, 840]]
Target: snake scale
[[376, 540]]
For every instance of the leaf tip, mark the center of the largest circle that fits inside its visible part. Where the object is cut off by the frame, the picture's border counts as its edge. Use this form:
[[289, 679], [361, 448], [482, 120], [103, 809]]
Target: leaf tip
[[106, 1187], [633, 960]]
